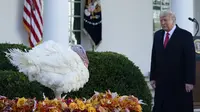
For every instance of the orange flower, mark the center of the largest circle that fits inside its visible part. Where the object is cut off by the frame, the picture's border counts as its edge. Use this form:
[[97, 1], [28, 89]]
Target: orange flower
[[73, 106], [139, 108]]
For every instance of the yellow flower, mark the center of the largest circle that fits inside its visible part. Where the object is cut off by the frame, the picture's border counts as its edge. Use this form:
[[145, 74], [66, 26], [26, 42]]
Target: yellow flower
[[91, 109], [81, 105], [21, 101], [88, 105], [95, 101], [54, 110], [54, 102], [73, 105]]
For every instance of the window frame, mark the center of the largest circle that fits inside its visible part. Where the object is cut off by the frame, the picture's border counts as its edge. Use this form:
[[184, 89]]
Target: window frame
[[156, 26], [72, 16]]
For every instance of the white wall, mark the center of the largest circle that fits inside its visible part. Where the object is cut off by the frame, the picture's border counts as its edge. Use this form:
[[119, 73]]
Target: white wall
[[127, 28], [11, 27]]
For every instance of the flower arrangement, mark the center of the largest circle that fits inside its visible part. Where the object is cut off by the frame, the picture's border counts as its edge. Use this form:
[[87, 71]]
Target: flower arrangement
[[99, 102]]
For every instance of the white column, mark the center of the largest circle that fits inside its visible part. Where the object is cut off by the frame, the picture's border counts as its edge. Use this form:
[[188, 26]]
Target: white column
[[184, 9], [56, 21]]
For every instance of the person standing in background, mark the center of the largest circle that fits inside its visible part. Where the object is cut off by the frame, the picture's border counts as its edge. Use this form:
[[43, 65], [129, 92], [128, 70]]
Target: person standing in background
[[173, 65]]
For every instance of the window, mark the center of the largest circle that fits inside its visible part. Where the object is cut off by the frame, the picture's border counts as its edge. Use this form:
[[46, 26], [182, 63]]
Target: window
[[75, 20], [158, 6]]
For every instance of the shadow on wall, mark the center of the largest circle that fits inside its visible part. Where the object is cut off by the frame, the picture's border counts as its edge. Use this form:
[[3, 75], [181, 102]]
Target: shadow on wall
[[20, 28]]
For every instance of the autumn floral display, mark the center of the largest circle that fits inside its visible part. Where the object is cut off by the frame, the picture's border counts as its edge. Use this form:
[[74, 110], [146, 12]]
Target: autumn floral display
[[99, 102]]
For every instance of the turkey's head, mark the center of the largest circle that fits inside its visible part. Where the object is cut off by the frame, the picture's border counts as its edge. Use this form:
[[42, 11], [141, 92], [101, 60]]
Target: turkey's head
[[82, 53]]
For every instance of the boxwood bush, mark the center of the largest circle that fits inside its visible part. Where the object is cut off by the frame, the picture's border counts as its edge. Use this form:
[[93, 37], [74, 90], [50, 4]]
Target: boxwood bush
[[4, 62], [14, 84], [108, 71]]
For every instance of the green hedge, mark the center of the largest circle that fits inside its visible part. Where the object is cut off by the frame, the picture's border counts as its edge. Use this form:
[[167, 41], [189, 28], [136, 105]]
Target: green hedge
[[15, 84], [108, 70], [4, 62]]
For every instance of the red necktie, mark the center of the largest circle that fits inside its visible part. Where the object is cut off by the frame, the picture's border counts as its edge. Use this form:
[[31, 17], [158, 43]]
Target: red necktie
[[166, 40]]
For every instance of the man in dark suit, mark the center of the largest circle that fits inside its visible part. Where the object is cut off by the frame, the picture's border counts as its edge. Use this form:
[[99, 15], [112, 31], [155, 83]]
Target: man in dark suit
[[172, 72]]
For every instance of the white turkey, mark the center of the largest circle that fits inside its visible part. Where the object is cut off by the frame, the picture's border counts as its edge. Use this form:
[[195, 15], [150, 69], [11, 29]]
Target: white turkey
[[61, 69]]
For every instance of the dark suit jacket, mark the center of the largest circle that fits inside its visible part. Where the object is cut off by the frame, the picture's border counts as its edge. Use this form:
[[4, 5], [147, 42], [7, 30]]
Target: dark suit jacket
[[172, 67]]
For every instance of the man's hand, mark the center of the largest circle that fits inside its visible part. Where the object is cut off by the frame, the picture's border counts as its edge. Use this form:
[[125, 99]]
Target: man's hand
[[153, 84], [189, 87]]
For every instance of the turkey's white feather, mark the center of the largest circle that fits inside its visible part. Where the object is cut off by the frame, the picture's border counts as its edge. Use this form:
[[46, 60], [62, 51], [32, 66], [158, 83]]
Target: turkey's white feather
[[60, 69]]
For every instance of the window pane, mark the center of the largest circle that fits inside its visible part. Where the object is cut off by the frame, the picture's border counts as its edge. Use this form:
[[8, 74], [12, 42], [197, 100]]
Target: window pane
[[77, 23], [165, 5], [77, 9], [156, 2], [78, 36], [158, 6], [75, 19]]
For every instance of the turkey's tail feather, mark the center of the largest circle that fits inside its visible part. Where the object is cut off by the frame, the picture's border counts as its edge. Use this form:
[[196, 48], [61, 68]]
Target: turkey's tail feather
[[23, 62]]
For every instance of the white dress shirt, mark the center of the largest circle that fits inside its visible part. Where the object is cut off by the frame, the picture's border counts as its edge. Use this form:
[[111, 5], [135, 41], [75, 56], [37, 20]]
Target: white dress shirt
[[170, 33]]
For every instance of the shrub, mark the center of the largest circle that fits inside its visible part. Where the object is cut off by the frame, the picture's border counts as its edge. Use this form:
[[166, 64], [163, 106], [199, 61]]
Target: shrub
[[108, 71], [14, 84], [5, 63]]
